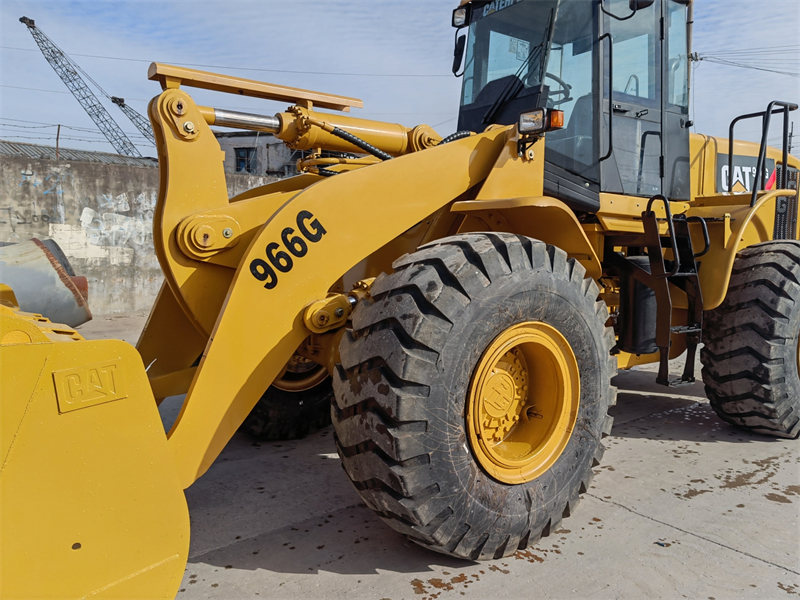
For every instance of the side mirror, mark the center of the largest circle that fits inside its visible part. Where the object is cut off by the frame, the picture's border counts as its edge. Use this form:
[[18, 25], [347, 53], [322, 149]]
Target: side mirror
[[640, 4], [458, 54]]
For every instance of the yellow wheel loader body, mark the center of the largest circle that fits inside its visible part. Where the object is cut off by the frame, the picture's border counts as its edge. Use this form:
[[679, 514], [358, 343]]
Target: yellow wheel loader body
[[90, 500], [92, 485]]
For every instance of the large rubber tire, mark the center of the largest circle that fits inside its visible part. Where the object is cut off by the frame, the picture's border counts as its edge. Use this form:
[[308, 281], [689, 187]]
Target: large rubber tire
[[399, 415], [284, 415], [750, 360]]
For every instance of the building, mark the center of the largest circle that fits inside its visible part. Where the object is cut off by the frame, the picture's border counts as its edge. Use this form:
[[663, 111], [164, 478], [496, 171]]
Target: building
[[257, 154]]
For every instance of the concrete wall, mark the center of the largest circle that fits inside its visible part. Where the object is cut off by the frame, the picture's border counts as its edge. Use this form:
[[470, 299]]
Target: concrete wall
[[102, 217]]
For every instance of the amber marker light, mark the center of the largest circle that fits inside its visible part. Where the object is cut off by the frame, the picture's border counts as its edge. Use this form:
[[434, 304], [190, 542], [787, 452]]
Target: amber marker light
[[556, 119]]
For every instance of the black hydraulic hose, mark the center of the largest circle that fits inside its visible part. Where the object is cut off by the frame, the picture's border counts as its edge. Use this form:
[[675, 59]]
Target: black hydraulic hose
[[458, 135], [326, 172], [356, 141]]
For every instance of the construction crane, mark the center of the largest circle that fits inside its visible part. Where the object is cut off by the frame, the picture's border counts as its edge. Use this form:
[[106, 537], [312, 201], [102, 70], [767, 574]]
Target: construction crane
[[67, 70], [138, 120]]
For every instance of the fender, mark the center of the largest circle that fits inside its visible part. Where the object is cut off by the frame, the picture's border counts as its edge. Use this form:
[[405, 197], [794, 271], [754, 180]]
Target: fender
[[540, 217], [731, 228]]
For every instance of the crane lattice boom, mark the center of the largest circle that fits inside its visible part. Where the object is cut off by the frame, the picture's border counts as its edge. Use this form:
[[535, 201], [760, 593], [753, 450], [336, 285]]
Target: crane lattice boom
[[62, 65], [141, 123]]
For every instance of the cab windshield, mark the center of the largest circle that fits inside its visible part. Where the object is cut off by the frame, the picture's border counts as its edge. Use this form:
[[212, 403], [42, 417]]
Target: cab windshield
[[507, 48], [527, 54]]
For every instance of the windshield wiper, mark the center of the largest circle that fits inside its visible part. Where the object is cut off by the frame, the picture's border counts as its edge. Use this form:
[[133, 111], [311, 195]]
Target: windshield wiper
[[515, 84]]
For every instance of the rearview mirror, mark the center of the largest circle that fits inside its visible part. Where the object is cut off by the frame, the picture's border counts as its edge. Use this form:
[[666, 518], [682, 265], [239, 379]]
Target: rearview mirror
[[640, 4], [458, 54]]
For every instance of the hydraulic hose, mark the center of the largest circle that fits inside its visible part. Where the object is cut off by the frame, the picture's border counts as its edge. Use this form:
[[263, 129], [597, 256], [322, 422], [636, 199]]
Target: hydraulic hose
[[458, 135], [326, 172], [358, 142]]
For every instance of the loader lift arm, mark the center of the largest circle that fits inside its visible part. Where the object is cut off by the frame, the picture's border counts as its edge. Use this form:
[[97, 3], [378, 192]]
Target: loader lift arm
[[291, 246]]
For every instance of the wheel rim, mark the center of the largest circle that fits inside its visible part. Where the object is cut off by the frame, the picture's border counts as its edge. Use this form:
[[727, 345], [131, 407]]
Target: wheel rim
[[523, 402], [301, 374]]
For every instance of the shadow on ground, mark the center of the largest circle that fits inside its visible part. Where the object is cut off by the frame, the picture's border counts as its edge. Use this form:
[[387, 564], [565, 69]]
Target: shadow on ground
[[351, 541], [647, 410]]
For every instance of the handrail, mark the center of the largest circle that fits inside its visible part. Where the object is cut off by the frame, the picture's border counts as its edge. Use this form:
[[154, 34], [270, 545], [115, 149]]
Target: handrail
[[610, 94], [671, 229], [766, 115], [706, 239]]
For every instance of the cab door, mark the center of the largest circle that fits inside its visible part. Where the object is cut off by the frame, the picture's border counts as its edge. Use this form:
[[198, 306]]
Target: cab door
[[676, 49], [644, 100]]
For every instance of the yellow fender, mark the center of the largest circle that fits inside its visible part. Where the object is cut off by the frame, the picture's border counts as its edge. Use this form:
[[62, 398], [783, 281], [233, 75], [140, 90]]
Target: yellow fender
[[540, 217], [731, 229]]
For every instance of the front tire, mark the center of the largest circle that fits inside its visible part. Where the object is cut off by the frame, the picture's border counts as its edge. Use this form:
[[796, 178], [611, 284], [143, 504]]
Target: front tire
[[419, 433], [750, 357]]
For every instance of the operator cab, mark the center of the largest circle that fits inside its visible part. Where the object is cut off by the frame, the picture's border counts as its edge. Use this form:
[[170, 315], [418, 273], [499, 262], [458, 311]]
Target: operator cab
[[623, 87]]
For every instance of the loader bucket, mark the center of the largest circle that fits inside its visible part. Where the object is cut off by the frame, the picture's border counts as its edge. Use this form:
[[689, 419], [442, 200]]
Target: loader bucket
[[90, 501]]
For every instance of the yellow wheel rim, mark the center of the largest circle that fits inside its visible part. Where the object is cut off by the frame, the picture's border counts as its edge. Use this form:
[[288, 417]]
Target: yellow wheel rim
[[523, 402], [300, 374]]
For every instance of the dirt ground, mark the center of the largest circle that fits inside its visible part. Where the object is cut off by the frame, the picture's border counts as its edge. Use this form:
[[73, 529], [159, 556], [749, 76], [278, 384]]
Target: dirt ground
[[683, 506]]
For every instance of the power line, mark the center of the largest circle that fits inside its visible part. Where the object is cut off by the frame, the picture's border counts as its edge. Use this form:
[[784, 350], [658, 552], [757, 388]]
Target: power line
[[16, 128], [52, 137], [259, 108], [729, 63], [227, 67], [74, 127], [762, 50]]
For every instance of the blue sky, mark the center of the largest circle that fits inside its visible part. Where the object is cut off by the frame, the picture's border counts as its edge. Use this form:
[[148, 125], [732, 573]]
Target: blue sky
[[411, 41]]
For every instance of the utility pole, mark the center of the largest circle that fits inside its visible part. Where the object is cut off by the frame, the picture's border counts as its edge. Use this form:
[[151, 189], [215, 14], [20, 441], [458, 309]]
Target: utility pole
[[791, 137], [68, 73], [58, 135]]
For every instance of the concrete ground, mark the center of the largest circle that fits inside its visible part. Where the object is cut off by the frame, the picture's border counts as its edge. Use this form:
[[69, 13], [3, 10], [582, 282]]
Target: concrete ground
[[683, 506]]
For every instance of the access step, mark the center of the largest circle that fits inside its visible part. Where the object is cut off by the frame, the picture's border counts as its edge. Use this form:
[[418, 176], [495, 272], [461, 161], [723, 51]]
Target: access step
[[684, 329]]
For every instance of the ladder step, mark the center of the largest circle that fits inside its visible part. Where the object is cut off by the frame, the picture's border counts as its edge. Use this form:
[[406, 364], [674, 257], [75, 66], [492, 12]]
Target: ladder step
[[675, 383], [685, 329]]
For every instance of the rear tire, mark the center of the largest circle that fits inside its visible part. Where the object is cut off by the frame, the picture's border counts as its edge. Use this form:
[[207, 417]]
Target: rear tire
[[750, 357], [290, 414], [401, 417]]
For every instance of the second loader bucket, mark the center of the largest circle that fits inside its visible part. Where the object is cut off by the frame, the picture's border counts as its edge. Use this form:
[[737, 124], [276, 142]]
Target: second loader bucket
[[90, 501]]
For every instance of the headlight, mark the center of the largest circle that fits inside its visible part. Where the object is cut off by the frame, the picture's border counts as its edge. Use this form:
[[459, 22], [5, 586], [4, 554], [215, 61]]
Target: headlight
[[532, 122], [541, 120], [459, 17]]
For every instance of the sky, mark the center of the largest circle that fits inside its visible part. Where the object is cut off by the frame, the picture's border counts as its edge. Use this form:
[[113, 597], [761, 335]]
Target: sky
[[394, 55]]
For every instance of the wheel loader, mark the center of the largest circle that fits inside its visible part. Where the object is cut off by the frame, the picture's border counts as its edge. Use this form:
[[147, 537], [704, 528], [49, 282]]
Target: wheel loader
[[467, 299]]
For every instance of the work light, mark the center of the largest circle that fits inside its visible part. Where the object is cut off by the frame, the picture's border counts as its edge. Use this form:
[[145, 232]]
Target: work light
[[541, 120], [459, 17]]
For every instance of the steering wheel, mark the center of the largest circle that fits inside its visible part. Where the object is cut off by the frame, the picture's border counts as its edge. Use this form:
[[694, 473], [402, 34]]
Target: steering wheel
[[563, 92]]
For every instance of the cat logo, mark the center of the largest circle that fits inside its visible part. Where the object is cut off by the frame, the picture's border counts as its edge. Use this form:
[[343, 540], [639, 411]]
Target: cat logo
[[497, 5], [88, 385], [744, 173]]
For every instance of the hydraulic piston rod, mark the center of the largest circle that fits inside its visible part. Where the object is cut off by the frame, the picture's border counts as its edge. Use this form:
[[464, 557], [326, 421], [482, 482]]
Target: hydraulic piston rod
[[240, 120]]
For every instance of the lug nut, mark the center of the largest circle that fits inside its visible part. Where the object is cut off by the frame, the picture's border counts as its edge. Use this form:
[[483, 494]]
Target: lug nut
[[188, 127]]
